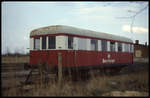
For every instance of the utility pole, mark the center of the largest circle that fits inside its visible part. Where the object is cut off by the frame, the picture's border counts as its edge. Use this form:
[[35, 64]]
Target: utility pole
[[133, 18]]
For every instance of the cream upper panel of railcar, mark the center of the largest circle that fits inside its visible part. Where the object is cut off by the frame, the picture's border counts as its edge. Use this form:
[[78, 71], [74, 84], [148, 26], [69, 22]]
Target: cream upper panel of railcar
[[77, 31]]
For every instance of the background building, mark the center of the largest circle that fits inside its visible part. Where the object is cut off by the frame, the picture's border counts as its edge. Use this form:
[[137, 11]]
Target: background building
[[141, 52]]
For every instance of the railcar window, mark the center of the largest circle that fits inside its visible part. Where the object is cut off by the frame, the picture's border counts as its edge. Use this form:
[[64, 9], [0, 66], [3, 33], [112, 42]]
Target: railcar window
[[94, 44], [104, 45], [112, 46], [130, 48], [44, 42], [37, 43], [126, 47], [82, 44], [70, 42], [119, 46], [52, 42]]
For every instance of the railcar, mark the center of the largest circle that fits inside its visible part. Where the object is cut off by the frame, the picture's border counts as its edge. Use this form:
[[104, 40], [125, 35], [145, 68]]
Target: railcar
[[80, 48]]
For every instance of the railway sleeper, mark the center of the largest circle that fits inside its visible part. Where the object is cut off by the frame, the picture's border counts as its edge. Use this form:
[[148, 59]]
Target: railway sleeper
[[36, 76]]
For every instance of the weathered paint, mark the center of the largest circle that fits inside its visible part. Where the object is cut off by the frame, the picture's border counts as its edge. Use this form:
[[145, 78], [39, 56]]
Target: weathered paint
[[116, 46], [55, 29], [99, 45], [31, 43], [78, 57], [80, 36], [73, 58], [61, 42]]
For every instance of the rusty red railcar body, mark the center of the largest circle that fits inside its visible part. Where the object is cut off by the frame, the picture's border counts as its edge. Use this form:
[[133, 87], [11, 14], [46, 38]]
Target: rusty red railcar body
[[76, 57]]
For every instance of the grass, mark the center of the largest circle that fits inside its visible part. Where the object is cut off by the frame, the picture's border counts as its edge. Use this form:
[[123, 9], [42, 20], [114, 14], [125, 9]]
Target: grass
[[96, 85], [15, 59]]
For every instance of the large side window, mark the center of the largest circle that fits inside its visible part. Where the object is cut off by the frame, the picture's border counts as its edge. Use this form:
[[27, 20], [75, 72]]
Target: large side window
[[82, 44], [112, 46], [37, 43], [126, 47], [44, 42], [104, 45], [51, 42], [94, 44], [120, 47], [70, 42]]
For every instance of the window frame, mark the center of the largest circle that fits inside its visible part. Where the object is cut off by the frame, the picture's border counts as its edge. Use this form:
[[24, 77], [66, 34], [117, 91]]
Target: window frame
[[70, 42], [126, 47], [104, 45], [35, 44], [45, 42], [95, 42], [120, 47], [52, 39], [112, 46]]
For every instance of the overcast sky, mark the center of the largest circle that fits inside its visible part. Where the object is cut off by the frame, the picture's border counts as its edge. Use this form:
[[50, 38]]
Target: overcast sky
[[19, 18]]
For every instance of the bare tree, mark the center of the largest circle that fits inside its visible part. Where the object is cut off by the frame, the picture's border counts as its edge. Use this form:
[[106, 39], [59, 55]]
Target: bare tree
[[8, 51]]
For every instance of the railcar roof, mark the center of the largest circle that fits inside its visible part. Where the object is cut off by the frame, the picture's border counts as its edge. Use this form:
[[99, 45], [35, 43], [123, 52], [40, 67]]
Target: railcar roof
[[77, 31]]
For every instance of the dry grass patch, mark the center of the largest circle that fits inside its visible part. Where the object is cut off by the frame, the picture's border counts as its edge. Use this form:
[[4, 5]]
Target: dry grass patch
[[127, 84]]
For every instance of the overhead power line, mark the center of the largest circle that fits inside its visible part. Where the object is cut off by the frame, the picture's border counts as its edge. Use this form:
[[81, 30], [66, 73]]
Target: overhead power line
[[133, 17], [140, 11], [136, 13]]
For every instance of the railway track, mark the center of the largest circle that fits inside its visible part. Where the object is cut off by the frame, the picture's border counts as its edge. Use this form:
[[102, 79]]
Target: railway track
[[15, 74], [11, 67]]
